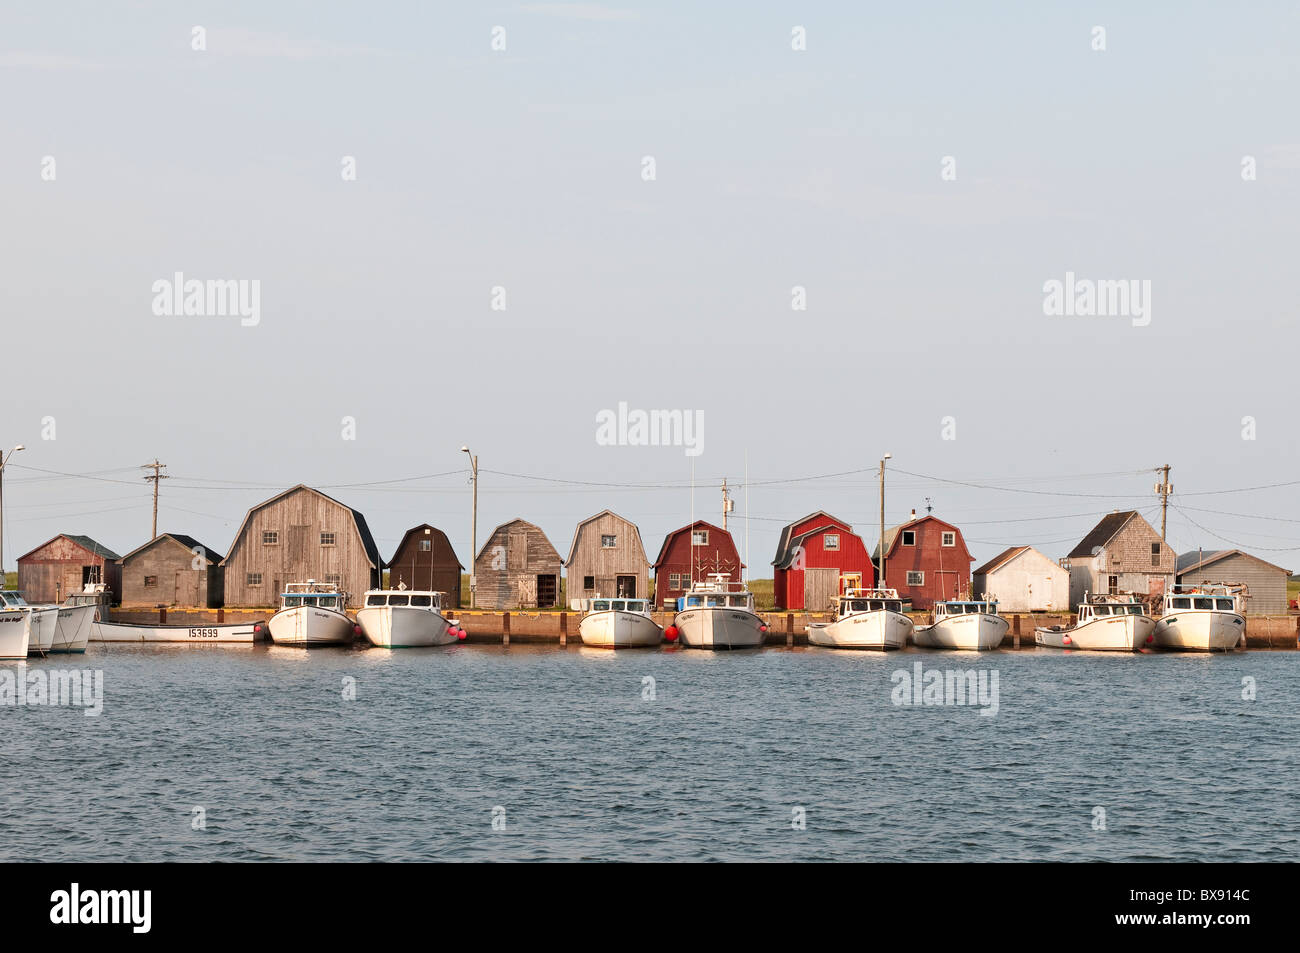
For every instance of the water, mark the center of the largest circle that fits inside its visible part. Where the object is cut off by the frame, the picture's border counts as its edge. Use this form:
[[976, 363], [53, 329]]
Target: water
[[713, 768]]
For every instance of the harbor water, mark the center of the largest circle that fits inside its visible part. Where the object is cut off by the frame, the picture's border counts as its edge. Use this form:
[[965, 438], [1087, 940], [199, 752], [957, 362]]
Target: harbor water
[[472, 752]]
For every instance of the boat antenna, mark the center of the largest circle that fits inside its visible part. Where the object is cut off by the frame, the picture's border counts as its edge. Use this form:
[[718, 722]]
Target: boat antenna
[[692, 529], [746, 565]]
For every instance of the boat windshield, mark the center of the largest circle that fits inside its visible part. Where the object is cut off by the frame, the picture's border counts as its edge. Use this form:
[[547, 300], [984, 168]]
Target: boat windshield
[[292, 599], [1101, 610], [740, 602], [1180, 603], [694, 601], [12, 598], [423, 601], [1200, 603], [599, 605], [1224, 604]]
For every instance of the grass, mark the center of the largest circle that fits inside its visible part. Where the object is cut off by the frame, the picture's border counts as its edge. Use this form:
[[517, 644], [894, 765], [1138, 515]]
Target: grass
[[1292, 589], [764, 600], [11, 580]]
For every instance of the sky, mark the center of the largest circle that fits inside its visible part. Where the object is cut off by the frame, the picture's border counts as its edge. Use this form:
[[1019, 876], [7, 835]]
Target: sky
[[920, 171]]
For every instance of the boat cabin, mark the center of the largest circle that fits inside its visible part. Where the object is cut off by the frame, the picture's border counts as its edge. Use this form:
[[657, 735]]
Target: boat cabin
[[639, 606], [419, 599], [12, 599], [965, 607], [311, 593], [1099, 607], [1217, 598], [718, 592], [869, 600]]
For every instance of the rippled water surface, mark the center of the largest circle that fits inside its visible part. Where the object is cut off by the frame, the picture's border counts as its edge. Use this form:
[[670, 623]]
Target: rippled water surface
[[712, 767]]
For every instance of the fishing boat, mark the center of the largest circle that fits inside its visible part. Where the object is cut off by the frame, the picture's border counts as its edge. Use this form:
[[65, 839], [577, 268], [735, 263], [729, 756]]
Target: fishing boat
[[234, 633], [972, 624], [72, 631], [399, 619], [312, 613], [42, 623], [1204, 618], [1111, 623], [618, 624], [717, 614], [864, 619], [15, 632]]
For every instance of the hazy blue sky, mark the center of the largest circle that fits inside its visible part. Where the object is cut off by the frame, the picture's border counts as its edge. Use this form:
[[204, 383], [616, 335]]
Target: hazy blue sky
[[775, 168]]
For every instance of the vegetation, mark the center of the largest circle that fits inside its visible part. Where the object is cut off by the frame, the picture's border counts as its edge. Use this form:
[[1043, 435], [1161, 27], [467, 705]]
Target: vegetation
[[11, 580]]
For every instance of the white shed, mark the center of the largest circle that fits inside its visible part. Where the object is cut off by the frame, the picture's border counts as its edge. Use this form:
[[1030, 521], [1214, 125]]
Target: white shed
[[1023, 580]]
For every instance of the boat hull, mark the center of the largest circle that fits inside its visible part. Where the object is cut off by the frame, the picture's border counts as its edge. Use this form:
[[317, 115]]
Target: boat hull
[[719, 628], [615, 629], [241, 633], [879, 629], [976, 632], [1128, 633], [72, 631], [1200, 630], [404, 627], [15, 634], [311, 625], [44, 624]]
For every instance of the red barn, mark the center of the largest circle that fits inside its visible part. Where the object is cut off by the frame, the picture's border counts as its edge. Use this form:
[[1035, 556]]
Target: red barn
[[713, 551], [926, 560], [813, 559]]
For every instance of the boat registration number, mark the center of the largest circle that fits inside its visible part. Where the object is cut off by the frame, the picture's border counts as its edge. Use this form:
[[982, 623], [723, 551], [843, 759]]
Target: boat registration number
[[203, 633]]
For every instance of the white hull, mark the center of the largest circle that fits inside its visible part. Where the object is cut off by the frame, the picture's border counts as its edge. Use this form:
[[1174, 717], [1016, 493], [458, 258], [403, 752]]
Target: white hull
[[880, 629], [45, 623], [241, 633], [616, 630], [403, 627], [719, 628], [15, 634], [1200, 630], [976, 631], [311, 625], [72, 631], [1126, 633]]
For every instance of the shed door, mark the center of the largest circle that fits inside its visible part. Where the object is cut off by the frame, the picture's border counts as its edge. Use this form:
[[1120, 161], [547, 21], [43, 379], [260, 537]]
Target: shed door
[[547, 591], [820, 587], [187, 588], [626, 587], [517, 549]]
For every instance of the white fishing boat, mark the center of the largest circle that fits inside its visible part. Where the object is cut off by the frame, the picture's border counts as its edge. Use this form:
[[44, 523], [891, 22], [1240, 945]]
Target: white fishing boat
[[717, 614], [312, 613], [618, 624], [72, 631], [15, 632], [1113, 623], [399, 619], [864, 619], [231, 633], [972, 624], [43, 621], [1205, 618]]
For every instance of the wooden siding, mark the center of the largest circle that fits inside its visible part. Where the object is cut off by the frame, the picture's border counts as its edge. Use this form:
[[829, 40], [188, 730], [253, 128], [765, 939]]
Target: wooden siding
[[790, 590], [588, 557], [434, 568], [1126, 556], [52, 572], [1028, 582], [509, 564], [299, 516], [171, 563], [946, 569], [1267, 583]]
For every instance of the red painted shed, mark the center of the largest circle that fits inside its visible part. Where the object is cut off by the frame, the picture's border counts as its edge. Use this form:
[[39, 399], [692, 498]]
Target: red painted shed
[[713, 551], [926, 560], [813, 558]]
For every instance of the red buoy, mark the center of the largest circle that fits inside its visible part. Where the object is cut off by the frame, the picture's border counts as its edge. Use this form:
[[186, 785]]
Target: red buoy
[[257, 628], [1150, 639], [762, 628], [356, 629], [670, 633], [1066, 640], [460, 634]]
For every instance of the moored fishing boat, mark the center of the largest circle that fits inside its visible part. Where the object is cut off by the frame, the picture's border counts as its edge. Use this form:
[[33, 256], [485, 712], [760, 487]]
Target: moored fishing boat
[[717, 614], [1204, 618], [1113, 623], [15, 632], [398, 618], [234, 633], [972, 624], [864, 619], [42, 623], [312, 613], [619, 623], [72, 630]]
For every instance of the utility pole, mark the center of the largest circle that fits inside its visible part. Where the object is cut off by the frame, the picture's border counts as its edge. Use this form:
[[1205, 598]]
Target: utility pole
[[727, 504], [1164, 488], [4, 458], [880, 584], [473, 529], [153, 478]]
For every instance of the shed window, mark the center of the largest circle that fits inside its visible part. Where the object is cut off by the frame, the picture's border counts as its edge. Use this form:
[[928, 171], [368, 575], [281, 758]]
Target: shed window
[[1112, 585], [831, 541], [150, 581], [950, 539], [608, 542], [270, 537], [253, 579], [1155, 554], [426, 545], [700, 537], [333, 579], [588, 582], [909, 537], [674, 580], [328, 539], [915, 578]]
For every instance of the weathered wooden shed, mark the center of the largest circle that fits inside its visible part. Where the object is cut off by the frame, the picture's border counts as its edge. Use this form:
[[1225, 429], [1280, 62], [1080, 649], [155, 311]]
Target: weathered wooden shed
[[517, 568], [1266, 583], [926, 560], [1122, 553], [425, 560], [607, 558], [172, 570], [816, 557], [63, 565], [1022, 579], [298, 535], [693, 552]]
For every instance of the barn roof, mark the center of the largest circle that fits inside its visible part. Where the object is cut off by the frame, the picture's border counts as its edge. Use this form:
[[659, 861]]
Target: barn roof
[[367, 541], [1102, 533], [786, 543], [784, 559], [415, 529], [85, 542], [1190, 562], [999, 560], [578, 529], [512, 522], [891, 534], [698, 524], [189, 542]]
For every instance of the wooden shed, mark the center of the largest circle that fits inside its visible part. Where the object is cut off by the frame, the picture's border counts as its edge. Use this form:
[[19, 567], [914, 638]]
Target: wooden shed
[[816, 558], [926, 560], [300, 534], [63, 565], [425, 560], [1266, 583], [517, 568], [1122, 553], [607, 558], [172, 570], [693, 552], [1022, 579]]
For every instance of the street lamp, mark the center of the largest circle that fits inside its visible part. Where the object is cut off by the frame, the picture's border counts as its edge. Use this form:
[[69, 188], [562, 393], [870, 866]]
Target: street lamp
[[4, 459], [473, 529], [881, 583]]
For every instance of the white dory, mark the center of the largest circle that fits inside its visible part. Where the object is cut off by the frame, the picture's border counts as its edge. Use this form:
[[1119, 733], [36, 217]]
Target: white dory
[[312, 613], [619, 623], [865, 619], [718, 614], [234, 633], [1203, 618], [963, 624], [1115, 623], [399, 619]]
